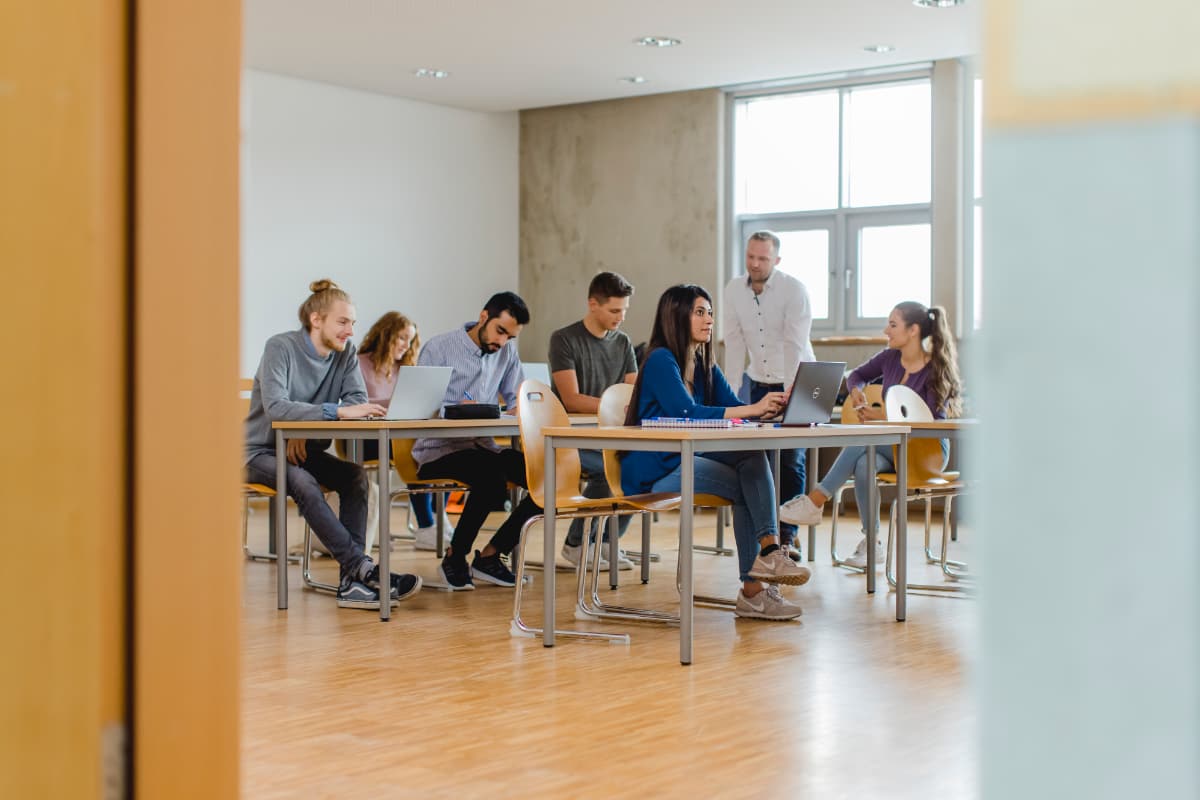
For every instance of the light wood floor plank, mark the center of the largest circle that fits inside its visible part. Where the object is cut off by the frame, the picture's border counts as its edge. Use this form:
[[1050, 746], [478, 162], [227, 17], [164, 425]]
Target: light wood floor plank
[[441, 702]]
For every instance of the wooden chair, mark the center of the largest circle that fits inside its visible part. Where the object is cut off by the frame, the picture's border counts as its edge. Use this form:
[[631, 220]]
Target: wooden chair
[[614, 405], [539, 409], [926, 480], [255, 491], [406, 467]]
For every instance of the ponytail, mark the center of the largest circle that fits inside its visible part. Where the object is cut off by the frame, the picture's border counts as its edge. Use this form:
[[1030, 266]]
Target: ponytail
[[943, 357]]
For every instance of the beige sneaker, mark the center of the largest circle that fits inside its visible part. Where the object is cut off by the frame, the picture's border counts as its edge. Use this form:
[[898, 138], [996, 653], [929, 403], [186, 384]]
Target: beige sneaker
[[767, 604], [778, 568], [800, 510]]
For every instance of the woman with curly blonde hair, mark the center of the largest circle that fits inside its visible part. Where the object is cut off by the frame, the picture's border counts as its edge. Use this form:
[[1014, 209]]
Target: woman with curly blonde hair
[[391, 343]]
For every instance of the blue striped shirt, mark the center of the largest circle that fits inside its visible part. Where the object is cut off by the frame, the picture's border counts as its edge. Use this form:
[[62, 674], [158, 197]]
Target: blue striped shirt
[[481, 376]]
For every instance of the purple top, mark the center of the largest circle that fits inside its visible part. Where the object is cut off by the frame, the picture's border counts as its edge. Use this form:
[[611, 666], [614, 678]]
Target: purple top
[[886, 364]]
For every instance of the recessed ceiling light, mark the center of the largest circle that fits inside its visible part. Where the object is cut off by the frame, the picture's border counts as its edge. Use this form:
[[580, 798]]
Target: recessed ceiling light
[[879, 48], [423, 72], [938, 3], [657, 41], [635, 79]]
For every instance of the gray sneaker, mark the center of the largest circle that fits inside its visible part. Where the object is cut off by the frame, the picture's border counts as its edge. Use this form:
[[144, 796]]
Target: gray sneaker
[[767, 604], [778, 568]]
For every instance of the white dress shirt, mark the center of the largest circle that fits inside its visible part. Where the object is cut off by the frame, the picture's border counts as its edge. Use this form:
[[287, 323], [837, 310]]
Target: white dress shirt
[[771, 328]]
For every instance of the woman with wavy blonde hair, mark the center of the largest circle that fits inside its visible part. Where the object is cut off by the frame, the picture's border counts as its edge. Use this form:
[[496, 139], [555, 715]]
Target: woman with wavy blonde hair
[[391, 343]]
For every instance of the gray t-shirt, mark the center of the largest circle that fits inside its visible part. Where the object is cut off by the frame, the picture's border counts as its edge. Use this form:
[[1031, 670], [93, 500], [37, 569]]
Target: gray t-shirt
[[598, 362]]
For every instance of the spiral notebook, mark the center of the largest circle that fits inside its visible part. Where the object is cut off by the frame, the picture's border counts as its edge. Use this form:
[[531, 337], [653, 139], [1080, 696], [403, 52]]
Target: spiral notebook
[[692, 422]]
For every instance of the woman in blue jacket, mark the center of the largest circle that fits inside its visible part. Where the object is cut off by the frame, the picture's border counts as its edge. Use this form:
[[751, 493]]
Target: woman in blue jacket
[[679, 379]]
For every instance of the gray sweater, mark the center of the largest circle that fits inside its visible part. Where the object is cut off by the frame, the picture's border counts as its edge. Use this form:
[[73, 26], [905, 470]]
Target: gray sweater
[[294, 383]]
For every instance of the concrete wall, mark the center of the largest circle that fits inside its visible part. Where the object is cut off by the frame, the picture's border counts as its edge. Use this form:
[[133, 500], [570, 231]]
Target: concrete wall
[[633, 186]]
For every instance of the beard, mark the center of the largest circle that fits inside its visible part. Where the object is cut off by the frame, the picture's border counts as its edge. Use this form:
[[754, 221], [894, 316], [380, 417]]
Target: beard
[[337, 345]]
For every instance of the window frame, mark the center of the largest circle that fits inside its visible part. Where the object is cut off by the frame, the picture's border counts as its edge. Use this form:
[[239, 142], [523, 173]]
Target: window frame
[[840, 221]]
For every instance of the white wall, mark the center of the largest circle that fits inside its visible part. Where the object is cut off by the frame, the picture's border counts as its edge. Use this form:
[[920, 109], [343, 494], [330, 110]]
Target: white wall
[[407, 205]]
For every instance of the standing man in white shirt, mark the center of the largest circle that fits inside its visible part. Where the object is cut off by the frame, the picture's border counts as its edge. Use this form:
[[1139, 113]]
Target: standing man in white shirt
[[767, 319]]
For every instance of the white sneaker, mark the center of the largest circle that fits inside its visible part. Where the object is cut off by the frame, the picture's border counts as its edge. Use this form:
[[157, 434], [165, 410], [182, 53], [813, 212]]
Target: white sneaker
[[778, 568], [571, 553], [427, 537], [800, 510], [859, 557], [767, 604]]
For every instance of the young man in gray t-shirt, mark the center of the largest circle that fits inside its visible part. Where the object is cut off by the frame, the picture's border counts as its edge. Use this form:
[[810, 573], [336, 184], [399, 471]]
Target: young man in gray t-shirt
[[586, 358]]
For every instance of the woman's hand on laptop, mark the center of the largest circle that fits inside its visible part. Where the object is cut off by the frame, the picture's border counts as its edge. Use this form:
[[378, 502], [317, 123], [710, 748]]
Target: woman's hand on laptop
[[361, 411], [770, 405]]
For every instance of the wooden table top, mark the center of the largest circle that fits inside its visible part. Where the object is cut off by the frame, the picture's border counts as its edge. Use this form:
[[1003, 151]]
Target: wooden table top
[[415, 424], [935, 425], [711, 434]]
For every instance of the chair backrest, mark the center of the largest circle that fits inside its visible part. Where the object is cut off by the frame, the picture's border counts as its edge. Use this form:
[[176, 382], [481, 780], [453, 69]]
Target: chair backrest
[[614, 404], [905, 405], [402, 459], [925, 460], [537, 409], [874, 393]]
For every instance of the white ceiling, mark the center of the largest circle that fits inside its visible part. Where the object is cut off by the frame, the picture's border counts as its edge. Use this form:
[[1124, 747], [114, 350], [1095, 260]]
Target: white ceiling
[[512, 54]]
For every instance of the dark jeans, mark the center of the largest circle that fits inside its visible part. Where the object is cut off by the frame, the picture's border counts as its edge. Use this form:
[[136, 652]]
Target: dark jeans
[[421, 504], [487, 474], [791, 464], [345, 534]]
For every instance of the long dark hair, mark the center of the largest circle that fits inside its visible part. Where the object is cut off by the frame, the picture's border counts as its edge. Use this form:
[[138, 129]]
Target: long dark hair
[[943, 359], [673, 331]]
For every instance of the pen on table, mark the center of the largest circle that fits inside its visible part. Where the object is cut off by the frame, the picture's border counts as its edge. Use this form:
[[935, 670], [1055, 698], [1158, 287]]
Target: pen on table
[[467, 395]]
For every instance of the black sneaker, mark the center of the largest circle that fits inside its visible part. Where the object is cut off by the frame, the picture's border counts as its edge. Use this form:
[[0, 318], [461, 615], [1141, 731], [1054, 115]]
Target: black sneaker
[[492, 570], [353, 593], [404, 585], [456, 574]]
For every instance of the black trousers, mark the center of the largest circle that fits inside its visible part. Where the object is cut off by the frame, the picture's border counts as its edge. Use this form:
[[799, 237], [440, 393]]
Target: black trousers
[[488, 475]]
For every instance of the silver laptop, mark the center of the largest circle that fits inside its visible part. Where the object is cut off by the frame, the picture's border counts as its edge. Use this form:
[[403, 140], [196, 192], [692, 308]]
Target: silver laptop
[[813, 393], [419, 392]]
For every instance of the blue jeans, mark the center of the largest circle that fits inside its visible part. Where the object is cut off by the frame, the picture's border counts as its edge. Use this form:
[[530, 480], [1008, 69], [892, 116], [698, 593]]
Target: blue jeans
[[591, 463], [344, 534], [744, 479], [853, 460], [791, 462]]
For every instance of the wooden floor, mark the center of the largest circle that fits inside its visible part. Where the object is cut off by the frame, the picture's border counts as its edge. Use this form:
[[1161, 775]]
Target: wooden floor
[[442, 702]]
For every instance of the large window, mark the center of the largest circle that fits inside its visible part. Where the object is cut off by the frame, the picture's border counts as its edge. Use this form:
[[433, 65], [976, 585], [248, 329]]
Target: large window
[[843, 176]]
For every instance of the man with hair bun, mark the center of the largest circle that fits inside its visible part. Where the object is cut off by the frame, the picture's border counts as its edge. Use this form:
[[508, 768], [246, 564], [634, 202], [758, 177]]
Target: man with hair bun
[[312, 374]]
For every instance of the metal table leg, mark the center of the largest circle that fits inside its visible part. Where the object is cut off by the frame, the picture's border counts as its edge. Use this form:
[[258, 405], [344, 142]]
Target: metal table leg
[[902, 530], [871, 515], [686, 513], [812, 460], [548, 538], [384, 474], [280, 503]]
